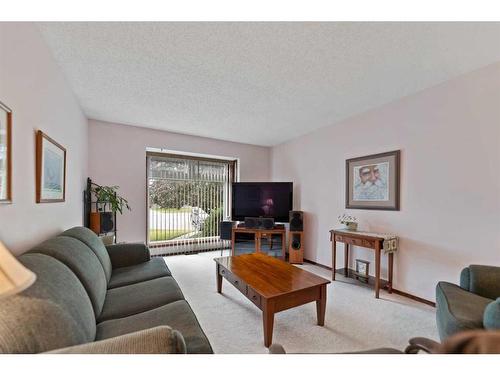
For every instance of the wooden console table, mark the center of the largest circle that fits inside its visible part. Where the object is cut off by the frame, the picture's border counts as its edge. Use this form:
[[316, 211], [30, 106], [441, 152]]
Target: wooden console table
[[259, 234], [362, 239]]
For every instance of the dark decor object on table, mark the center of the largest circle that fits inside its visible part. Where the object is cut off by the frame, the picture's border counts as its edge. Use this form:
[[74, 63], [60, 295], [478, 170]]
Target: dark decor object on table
[[225, 229], [362, 270], [372, 182], [5, 154], [296, 221], [251, 222], [50, 170], [267, 223], [475, 304], [259, 222]]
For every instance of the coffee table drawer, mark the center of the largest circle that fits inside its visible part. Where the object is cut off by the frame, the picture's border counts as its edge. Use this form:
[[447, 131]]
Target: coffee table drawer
[[253, 296], [223, 271], [236, 281]]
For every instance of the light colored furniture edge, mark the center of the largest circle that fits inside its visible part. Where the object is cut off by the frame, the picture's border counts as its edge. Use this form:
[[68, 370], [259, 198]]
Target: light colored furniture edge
[[158, 340]]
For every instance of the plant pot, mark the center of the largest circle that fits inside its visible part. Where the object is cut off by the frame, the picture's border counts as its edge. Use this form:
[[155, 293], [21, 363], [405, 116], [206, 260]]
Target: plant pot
[[351, 226]]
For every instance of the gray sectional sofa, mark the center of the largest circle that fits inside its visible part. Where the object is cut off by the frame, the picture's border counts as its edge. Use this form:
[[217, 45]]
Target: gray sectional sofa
[[91, 298]]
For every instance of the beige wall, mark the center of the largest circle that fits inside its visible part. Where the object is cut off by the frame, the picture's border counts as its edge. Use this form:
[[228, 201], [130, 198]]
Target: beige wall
[[32, 85], [117, 156], [449, 137]]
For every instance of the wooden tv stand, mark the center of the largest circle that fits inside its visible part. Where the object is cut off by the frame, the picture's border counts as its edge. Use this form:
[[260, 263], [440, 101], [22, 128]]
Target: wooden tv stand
[[259, 234]]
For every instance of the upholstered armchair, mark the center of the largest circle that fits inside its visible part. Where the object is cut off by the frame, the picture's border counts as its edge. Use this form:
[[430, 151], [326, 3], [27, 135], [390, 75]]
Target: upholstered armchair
[[477, 341], [475, 304]]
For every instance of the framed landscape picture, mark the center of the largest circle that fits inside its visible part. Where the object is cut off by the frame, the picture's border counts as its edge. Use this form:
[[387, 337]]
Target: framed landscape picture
[[50, 170], [5, 154], [372, 182]]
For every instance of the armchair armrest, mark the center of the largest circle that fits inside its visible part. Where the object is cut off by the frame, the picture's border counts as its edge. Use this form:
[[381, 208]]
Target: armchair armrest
[[422, 343], [481, 280], [158, 340], [491, 317], [128, 254]]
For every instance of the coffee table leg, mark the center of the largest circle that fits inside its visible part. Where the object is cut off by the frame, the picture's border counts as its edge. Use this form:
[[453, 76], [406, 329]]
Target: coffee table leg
[[321, 306], [268, 318], [219, 280]]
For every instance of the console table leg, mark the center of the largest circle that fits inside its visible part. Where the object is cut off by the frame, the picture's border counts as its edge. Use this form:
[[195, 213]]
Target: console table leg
[[334, 258], [321, 306], [346, 260], [219, 280], [377, 269]]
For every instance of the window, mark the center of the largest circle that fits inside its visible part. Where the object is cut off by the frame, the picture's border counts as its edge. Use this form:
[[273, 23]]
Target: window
[[187, 199]]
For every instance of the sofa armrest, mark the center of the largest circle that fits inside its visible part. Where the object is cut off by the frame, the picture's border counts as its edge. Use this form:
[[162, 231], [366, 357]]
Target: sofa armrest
[[481, 280], [128, 254], [491, 318], [158, 340]]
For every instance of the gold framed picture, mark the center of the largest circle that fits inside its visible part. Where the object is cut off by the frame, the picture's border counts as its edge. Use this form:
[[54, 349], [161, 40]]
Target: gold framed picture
[[50, 170], [5, 154]]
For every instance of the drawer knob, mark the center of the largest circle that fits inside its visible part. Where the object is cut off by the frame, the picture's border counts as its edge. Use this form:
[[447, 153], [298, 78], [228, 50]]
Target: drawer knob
[[254, 297], [236, 281], [223, 272]]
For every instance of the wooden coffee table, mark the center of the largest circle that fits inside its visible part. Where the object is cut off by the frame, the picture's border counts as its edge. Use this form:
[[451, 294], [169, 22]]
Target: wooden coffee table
[[272, 285]]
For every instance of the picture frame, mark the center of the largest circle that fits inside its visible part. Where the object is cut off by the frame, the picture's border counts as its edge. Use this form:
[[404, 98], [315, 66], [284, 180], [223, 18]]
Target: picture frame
[[362, 270], [50, 170], [5, 154], [373, 182]]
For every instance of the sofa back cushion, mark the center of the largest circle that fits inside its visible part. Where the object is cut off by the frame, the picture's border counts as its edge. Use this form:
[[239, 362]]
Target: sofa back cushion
[[80, 259], [54, 312], [91, 239]]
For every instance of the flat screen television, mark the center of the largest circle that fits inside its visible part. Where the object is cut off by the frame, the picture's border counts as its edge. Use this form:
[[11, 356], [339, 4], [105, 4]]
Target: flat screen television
[[262, 199]]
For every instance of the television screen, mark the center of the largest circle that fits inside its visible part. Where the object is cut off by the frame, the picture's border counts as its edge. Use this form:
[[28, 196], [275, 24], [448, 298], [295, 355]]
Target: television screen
[[262, 199]]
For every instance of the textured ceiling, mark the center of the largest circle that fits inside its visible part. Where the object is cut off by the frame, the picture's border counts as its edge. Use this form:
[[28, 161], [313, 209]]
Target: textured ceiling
[[259, 83]]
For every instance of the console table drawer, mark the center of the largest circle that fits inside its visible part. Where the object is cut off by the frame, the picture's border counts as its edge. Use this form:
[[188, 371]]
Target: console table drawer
[[355, 241], [349, 240], [253, 296], [368, 243]]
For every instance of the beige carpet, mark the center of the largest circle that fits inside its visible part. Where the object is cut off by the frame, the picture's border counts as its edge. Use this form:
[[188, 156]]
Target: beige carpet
[[355, 320]]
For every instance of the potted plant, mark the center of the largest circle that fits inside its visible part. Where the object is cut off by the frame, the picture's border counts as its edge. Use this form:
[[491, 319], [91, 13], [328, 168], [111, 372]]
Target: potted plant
[[349, 222], [108, 195]]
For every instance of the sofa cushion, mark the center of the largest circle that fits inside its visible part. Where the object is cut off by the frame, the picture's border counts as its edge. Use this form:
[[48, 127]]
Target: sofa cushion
[[177, 315], [458, 309], [52, 313], [136, 298], [82, 261], [153, 269], [91, 239]]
